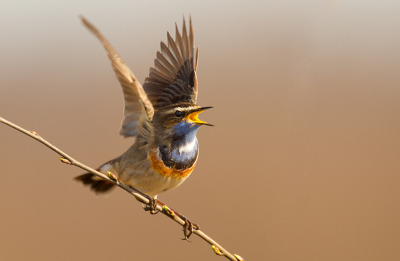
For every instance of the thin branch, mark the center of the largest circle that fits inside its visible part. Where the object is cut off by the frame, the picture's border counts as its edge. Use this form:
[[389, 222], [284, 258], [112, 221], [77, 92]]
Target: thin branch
[[218, 249]]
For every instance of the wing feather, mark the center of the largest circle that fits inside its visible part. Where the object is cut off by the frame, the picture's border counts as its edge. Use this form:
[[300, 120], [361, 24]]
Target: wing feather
[[185, 40], [171, 57], [174, 49], [179, 43], [135, 98], [191, 39], [159, 66], [173, 78], [164, 78]]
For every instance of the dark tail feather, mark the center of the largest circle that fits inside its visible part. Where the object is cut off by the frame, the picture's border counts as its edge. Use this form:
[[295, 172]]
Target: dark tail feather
[[97, 184]]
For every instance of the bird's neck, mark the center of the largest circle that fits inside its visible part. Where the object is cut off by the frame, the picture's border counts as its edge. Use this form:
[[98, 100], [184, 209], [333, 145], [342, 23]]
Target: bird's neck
[[182, 150]]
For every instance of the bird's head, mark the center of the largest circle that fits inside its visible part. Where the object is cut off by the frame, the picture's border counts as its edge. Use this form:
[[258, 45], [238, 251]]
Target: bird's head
[[178, 120]]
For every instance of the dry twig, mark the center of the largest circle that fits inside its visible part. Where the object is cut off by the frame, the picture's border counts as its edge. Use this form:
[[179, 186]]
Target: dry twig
[[65, 158]]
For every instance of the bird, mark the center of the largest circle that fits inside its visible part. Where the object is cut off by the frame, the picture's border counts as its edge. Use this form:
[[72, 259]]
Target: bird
[[162, 116]]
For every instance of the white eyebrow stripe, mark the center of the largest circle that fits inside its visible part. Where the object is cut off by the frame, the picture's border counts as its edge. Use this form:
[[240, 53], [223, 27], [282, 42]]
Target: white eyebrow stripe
[[181, 109]]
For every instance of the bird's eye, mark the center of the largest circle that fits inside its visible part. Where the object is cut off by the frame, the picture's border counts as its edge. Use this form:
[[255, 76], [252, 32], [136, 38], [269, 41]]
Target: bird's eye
[[178, 114]]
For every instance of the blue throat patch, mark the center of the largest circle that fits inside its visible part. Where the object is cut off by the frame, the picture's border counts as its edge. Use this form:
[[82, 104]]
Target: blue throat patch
[[182, 153]]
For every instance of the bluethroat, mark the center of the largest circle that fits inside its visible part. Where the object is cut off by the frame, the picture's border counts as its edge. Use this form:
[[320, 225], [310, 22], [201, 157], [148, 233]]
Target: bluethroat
[[162, 115]]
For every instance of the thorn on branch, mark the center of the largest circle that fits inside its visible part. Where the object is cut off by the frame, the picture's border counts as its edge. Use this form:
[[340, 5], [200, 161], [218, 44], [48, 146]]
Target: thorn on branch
[[112, 176], [64, 160], [169, 211], [217, 251], [34, 133], [137, 198], [238, 257]]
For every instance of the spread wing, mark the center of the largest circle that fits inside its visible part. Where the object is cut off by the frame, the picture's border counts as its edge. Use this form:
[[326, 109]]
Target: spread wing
[[173, 78], [136, 100]]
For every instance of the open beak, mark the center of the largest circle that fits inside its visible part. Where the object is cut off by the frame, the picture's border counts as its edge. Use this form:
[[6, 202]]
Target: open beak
[[193, 116]]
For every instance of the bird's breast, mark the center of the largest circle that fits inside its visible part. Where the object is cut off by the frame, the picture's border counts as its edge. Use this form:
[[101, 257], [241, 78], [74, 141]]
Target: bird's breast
[[176, 163]]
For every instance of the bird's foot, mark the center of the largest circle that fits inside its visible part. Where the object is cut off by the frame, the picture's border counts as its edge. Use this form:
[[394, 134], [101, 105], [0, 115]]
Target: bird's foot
[[188, 228], [152, 206]]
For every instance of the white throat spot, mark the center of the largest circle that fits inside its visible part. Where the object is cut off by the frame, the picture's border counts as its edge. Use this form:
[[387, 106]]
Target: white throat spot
[[188, 146]]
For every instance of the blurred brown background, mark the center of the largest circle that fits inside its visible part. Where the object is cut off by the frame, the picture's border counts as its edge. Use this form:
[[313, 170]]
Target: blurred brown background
[[303, 163]]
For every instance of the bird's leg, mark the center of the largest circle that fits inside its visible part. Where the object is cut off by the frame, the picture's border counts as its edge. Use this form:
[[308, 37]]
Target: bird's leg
[[152, 206], [187, 228], [189, 225]]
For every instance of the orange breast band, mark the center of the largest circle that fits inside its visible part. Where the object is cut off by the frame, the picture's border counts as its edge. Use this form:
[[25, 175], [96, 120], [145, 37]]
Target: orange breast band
[[159, 166]]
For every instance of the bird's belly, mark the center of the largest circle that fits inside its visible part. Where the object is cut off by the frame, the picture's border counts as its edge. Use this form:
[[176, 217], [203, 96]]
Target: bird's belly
[[152, 183], [163, 183]]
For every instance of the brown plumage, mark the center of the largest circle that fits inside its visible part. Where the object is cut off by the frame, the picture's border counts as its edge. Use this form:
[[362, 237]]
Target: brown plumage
[[162, 115]]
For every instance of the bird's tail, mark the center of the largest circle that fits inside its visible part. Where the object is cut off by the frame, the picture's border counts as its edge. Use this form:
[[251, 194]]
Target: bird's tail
[[97, 184]]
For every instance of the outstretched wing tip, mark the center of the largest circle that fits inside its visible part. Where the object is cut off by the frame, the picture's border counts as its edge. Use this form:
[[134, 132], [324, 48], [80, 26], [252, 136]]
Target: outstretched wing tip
[[135, 98], [174, 63]]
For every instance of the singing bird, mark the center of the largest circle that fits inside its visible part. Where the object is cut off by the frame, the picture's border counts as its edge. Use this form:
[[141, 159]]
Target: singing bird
[[162, 116]]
